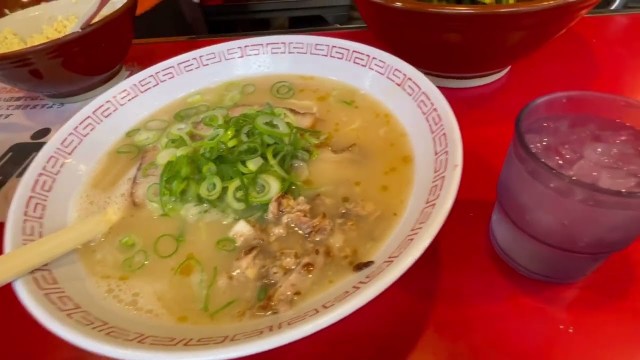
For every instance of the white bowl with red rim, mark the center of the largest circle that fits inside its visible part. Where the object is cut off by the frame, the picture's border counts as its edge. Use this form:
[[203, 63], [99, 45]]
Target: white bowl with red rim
[[58, 294]]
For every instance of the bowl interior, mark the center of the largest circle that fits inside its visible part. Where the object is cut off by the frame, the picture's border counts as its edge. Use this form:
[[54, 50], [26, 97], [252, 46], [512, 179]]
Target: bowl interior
[[61, 296]]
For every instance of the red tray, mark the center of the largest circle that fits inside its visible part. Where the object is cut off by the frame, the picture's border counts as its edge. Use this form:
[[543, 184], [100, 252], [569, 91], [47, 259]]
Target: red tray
[[459, 300]]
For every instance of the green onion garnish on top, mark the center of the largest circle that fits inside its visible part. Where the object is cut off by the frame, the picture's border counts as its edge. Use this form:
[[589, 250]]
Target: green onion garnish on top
[[226, 243], [136, 261], [283, 90], [166, 245], [207, 293], [248, 89], [190, 112], [128, 242], [128, 149], [234, 164], [222, 308], [263, 290]]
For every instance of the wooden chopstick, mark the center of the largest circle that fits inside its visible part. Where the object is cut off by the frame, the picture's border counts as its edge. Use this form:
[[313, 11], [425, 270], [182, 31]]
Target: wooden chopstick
[[33, 255]]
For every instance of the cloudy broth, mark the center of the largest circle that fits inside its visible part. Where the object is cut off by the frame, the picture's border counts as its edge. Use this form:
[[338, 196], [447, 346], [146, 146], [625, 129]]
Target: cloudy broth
[[356, 184]]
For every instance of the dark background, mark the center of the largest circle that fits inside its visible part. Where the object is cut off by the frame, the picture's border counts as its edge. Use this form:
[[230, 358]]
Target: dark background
[[173, 18]]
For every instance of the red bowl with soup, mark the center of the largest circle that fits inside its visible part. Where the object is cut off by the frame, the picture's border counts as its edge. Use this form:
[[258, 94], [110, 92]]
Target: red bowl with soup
[[72, 65], [461, 45]]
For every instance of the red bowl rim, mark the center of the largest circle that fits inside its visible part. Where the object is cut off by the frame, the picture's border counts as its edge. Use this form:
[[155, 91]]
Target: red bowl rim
[[69, 37], [522, 7]]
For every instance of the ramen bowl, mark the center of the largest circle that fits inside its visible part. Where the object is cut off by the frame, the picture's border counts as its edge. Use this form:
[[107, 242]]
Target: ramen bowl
[[61, 295], [468, 45], [75, 65]]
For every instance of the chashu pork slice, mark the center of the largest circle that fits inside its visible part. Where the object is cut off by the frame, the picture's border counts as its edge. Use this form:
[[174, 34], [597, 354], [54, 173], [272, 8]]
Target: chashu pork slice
[[145, 176]]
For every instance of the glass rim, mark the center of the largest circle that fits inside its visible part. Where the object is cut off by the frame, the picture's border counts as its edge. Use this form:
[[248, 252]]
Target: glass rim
[[519, 135]]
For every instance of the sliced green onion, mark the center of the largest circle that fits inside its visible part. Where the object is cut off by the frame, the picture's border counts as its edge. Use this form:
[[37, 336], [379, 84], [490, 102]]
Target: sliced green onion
[[274, 162], [302, 155], [136, 261], [167, 177], [187, 266], [268, 139], [255, 163], [242, 120], [153, 193], [132, 132], [185, 150], [193, 211], [179, 129], [283, 90], [263, 290], [194, 99], [213, 118], [314, 137], [146, 137], [247, 151], [266, 188], [220, 111], [226, 243], [285, 114], [231, 197], [174, 140], [228, 172], [201, 130], [209, 169], [207, 293], [166, 155], [246, 132], [166, 245], [128, 242], [232, 143], [222, 308], [128, 149], [228, 134], [248, 89], [272, 125], [232, 98], [211, 187], [188, 113], [215, 137], [244, 169], [149, 167], [299, 170], [192, 269], [209, 151], [233, 164], [156, 124]]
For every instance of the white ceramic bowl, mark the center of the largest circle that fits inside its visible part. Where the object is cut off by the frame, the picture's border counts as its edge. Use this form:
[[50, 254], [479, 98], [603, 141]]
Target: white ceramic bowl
[[59, 295]]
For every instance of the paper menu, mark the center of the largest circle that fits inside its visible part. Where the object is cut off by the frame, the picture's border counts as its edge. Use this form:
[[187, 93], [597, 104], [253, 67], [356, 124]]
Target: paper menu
[[27, 122]]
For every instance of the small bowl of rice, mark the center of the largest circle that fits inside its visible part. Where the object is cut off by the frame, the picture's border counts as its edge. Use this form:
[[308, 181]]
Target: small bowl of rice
[[12, 41], [40, 54]]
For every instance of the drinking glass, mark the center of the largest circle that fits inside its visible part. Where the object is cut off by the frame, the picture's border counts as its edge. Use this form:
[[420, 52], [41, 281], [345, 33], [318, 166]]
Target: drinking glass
[[569, 191]]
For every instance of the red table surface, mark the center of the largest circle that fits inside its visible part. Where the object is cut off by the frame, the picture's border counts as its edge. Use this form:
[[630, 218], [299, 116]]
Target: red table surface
[[459, 300]]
